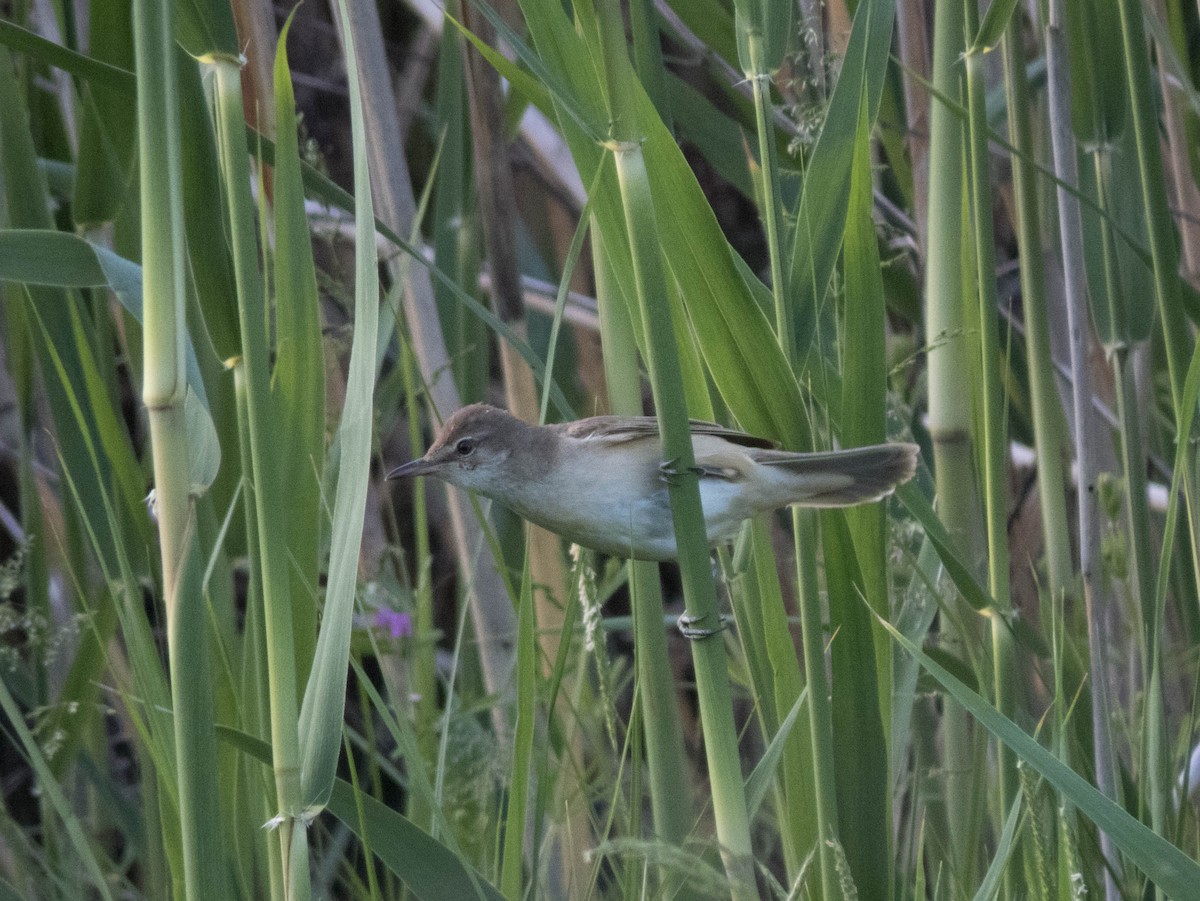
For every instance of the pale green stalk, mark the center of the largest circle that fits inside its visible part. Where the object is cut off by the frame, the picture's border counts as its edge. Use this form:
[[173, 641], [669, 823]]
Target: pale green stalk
[[768, 173], [755, 53], [700, 597], [516, 819], [256, 675], [666, 380], [1047, 414], [262, 486], [666, 759], [950, 407], [1132, 450], [491, 608], [992, 416], [164, 390], [1141, 583], [820, 717], [424, 665]]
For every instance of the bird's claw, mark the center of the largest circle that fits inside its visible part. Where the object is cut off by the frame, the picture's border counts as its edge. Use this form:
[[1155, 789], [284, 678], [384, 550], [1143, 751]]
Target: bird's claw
[[670, 471], [689, 630]]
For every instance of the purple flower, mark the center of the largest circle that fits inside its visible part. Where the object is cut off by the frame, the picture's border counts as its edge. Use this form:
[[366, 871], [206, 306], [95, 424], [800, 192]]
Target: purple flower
[[396, 622]]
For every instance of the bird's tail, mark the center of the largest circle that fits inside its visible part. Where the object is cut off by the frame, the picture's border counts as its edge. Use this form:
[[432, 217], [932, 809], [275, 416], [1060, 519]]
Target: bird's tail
[[843, 478]]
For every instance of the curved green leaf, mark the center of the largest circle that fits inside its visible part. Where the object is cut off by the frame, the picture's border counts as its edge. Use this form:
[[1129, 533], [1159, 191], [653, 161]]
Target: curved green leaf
[[63, 260], [426, 866], [1171, 870], [96, 71]]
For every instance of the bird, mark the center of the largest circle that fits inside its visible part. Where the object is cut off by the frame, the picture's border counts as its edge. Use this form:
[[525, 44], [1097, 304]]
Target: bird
[[602, 483]]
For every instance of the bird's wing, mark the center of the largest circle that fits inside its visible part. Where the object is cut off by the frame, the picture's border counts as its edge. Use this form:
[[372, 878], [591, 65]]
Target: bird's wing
[[620, 429]]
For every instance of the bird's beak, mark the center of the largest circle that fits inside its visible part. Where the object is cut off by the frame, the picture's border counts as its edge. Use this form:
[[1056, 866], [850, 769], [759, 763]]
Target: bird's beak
[[418, 467]]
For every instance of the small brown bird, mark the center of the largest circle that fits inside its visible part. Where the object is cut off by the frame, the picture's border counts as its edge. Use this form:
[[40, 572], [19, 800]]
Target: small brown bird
[[601, 482]]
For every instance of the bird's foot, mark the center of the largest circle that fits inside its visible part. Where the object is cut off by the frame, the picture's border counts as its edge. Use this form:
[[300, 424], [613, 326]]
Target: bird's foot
[[670, 472], [692, 632]]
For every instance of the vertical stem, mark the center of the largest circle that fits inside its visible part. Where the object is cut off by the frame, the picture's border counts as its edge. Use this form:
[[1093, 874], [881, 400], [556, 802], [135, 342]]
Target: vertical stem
[[258, 430], [497, 213], [666, 380], [1176, 340], [804, 522], [700, 596], [1047, 415], [670, 793], [995, 455], [820, 717], [1075, 294], [995, 446], [257, 675], [164, 392], [949, 405], [491, 609], [772, 205], [1133, 462]]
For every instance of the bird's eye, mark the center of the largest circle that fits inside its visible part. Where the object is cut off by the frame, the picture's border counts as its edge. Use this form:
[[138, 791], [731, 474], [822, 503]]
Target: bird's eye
[[464, 447]]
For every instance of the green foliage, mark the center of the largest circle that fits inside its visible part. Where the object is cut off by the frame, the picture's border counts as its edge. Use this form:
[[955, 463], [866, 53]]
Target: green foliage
[[885, 668]]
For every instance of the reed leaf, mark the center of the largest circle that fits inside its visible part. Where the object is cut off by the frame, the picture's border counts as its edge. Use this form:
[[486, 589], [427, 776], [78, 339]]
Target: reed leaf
[[1170, 869], [821, 212], [325, 693]]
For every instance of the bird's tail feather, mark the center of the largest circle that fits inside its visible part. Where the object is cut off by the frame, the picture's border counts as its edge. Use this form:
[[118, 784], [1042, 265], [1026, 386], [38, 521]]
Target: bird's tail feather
[[843, 478]]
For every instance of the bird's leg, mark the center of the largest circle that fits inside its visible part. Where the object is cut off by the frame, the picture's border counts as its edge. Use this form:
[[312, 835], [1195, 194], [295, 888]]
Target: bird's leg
[[689, 630], [670, 472]]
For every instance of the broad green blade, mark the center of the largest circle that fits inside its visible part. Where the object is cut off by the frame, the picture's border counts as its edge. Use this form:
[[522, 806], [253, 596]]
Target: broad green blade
[[208, 231], [960, 573], [298, 380], [763, 28], [63, 260], [990, 885], [864, 392], [1099, 95], [720, 139], [861, 765], [426, 866], [765, 771], [825, 198], [204, 27], [726, 322], [712, 22], [325, 694], [108, 130], [1170, 869]]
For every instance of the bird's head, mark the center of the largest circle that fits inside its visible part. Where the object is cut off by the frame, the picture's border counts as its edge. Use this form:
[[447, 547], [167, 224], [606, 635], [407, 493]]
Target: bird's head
[[471, 449]]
